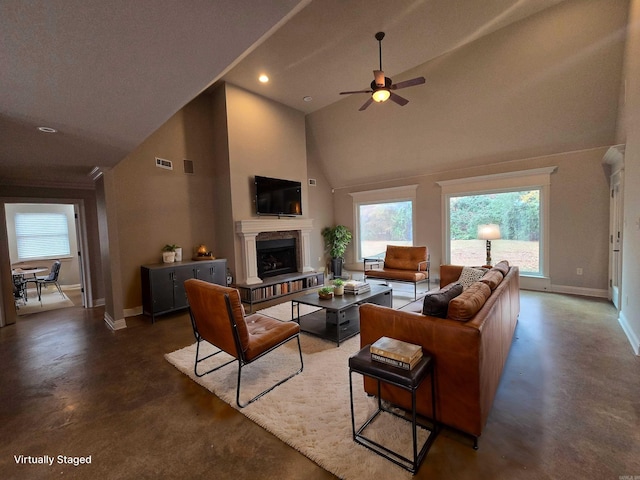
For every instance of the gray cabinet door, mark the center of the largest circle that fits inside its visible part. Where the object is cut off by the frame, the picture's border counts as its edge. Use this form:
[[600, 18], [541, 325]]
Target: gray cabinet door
[[161, 290], [213, 272], [179, 294]]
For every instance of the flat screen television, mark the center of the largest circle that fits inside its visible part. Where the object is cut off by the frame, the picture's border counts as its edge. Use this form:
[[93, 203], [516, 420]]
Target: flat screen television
[[275, 196]]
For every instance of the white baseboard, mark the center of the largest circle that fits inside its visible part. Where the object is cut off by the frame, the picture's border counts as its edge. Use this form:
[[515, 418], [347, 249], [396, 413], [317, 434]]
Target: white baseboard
[[114, 324], [631, 335], [585, 292], [132, 312], [99, 302]]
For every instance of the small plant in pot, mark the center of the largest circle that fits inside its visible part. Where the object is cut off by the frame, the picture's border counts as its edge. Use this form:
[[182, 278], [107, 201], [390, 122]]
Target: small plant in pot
[[338, 287], [169, 253], [326, 293], [336, 241]]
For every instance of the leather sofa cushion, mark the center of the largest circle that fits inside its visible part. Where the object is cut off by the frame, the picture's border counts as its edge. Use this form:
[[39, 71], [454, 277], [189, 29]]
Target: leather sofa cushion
[[395, 274], [436, 303], [469, 302], [405, 258], [493, 278], [502, 266]]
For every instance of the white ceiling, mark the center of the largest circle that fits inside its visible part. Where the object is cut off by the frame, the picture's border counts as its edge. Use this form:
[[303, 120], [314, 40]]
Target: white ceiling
[[108, 73]]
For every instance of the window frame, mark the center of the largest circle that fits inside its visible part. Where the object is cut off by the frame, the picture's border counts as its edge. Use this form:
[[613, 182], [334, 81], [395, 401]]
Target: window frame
[[405, 193], [539, 178]]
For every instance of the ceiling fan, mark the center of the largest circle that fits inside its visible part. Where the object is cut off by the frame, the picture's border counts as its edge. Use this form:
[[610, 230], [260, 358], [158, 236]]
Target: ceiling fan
[[381, 86]]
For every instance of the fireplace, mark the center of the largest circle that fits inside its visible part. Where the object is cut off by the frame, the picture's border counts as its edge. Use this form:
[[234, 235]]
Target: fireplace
[[276, 257], [256, 229]]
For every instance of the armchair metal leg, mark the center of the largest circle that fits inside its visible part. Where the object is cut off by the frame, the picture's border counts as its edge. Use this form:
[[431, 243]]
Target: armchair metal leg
[[198, 360], [242, 405]]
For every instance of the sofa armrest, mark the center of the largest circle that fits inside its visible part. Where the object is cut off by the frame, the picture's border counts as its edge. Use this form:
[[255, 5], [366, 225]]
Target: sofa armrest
[[449, 274], [455, 348]]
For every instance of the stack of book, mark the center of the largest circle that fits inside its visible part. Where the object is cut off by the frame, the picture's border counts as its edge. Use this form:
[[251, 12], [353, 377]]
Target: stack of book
[[355, 287], [396, 353]]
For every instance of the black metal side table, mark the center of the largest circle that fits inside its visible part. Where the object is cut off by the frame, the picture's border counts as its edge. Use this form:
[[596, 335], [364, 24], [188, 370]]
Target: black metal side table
[[409, 380]]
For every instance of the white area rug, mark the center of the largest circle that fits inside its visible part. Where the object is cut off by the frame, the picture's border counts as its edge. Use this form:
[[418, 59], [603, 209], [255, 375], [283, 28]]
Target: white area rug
[[50, 300], [311, 412]]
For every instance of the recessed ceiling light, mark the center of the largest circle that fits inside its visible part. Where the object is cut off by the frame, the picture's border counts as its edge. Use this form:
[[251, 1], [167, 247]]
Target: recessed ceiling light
[[263, 78], [47, 129], [307, 98]]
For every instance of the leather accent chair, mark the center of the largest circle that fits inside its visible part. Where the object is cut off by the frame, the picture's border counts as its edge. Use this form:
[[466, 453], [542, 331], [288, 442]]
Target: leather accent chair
[[400, 264], [218, 318]]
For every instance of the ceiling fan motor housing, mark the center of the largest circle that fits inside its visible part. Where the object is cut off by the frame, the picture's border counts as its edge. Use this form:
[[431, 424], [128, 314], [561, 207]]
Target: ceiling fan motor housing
[[387, 84]]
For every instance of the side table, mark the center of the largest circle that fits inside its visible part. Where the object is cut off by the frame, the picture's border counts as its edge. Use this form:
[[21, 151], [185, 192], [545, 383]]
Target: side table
[[409, 380]]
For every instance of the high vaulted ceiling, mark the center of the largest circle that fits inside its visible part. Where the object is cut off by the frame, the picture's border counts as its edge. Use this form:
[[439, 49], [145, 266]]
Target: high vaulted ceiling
[[106, 74]]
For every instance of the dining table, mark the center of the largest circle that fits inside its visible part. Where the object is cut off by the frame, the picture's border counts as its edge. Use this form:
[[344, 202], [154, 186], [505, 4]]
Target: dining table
[[21, 276]]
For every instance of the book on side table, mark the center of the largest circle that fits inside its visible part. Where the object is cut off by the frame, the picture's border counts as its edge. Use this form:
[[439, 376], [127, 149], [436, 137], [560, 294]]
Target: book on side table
[[396, 352]]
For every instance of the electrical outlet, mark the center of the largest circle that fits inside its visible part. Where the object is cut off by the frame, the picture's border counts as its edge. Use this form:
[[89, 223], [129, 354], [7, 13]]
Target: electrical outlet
[[579, 271]]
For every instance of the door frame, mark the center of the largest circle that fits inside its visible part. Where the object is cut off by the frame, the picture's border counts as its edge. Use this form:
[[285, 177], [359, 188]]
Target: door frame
[[614, 157], [9, 315]]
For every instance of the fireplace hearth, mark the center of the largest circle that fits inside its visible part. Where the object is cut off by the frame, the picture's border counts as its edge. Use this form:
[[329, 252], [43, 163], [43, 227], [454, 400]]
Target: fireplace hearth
[[276, 257]]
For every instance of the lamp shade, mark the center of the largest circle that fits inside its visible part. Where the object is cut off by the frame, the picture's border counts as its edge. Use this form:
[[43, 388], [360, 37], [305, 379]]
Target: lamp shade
[[489, 231]]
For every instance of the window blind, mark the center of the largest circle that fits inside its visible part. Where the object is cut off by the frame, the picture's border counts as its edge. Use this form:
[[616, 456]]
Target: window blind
[[42, 235]]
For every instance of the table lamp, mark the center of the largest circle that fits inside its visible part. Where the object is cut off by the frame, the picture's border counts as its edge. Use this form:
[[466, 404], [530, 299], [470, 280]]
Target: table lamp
[[489, 232]]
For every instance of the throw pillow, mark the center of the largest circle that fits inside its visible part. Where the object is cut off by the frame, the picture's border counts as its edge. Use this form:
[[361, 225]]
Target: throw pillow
[[436, 303], [469, 302], [470, 275]]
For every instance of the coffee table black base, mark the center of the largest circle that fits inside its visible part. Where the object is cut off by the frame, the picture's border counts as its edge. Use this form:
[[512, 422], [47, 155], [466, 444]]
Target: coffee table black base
[[316, 324], [343, 310]]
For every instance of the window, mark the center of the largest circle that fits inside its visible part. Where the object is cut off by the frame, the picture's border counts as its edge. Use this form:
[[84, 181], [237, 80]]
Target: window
[[382, 224], [516, 201], [42, 235], [383, 217], [516, 213]]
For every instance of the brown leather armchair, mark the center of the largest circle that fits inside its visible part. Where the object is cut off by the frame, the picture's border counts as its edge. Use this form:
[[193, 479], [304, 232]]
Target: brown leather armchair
[[218, 318]]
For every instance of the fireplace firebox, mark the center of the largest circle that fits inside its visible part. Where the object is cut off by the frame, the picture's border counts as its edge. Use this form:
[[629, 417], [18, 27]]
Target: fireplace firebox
[[276, 257]]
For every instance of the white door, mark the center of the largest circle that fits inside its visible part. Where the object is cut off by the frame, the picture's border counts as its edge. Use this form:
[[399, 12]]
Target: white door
[[615, 232]]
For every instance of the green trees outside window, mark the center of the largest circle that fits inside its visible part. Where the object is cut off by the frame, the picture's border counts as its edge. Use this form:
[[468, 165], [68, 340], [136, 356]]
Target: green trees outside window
[[517, 214]]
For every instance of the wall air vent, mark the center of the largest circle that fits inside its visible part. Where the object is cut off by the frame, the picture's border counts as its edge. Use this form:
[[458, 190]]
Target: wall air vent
[[162, 163], [312, 182], [188, 166]]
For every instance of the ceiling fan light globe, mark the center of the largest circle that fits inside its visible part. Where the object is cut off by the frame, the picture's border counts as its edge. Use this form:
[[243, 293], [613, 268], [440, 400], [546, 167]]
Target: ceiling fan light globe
[[381, 95]]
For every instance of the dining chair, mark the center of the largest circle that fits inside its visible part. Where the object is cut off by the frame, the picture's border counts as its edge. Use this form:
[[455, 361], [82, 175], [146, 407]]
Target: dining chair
[[48, 279], [217, 317]]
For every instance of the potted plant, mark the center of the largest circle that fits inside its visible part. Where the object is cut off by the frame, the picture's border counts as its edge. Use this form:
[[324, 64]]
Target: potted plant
[[326, 293], [169, 253], [338, 287], [336, 240]]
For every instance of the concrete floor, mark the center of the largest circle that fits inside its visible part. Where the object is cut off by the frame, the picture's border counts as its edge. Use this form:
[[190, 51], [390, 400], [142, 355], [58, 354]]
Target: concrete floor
[[568, 405]]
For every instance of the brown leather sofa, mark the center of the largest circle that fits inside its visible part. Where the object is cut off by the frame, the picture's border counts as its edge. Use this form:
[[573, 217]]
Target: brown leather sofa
[[400, 264], [469, 355]]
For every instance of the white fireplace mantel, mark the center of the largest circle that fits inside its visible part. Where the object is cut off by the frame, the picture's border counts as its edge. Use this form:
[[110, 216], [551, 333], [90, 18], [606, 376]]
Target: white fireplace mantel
[[249, 230]]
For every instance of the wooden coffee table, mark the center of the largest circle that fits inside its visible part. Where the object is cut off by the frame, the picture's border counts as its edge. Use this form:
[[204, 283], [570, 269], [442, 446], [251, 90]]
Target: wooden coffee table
[[339, 318]]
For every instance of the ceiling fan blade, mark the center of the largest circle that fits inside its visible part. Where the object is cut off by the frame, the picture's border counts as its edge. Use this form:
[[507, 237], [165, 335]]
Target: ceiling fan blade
[[366, 104], [398, 99], [355, 91], [408, 83]]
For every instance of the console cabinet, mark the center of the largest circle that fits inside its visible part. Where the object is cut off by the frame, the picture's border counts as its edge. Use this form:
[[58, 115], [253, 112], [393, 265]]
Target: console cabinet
[[163, 283]]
